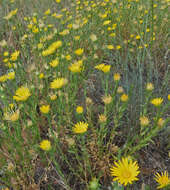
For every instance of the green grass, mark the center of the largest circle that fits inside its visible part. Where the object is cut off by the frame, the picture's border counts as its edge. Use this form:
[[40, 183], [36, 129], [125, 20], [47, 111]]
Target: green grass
[[138, 34]]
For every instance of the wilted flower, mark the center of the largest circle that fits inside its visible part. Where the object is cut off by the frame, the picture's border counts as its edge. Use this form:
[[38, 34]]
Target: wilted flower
[[144, 121], [107, 99], [149, 87]]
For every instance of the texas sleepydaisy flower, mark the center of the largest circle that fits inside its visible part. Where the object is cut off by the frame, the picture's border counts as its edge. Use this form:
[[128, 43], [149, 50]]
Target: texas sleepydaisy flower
[[80, 127], [125, 171], [124, 97], [45, 145], [116, 77], [157, 101], [163, 179], [58, 83], [45, 108], [79, 109], [149, 86], [79, 51], [144, 121], [22, 94]]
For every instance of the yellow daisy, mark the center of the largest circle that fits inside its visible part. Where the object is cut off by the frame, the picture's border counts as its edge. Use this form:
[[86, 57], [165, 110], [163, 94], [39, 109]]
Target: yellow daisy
[[157, 101], [58, 83], [162, 179], [125, 171], [45, 145], [80, 127], [22, 94]]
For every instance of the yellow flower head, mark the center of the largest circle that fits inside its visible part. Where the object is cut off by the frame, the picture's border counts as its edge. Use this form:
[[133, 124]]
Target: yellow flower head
[[149, 86], [10, 14], [144, 121], [102, 118], [103, 67], [110, 47], [76, 67], [45, 145], [14, 56], [120, 90], [11, 75], [116, 77], [14, 116], [79, 109], [45, 109], [124, 97], [79, 51], [157, 101], [107, 99], [3, 78], [163, 179], [22, 94], [53, 97], [54, 62], [161, 122], [168, 96], [93, 37], [58, 83], [80, 127], [125, 171]]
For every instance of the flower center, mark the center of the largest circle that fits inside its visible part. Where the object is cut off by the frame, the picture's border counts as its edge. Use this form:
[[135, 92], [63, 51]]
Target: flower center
[[126, 174]]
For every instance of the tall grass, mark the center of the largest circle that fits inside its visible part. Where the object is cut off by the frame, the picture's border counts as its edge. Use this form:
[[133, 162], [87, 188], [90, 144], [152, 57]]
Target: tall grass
[[105, 54]]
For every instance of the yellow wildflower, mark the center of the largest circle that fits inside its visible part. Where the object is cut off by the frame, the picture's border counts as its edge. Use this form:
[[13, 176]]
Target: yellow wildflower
[[102, 118], [110, 47], [80, 127], [22, 94], [149, 86], [144, 121], [41, 76], [161, 122], [11, 75], [124, 97], [125, 171], [53, 97], [45, 145], [157, 101], [14, 56], [47, 12], [163, 179], [79, 109], [168, 96], [120, 90], [3, 78], [107, 99], [79, 51], [58, 83], [76, 67], [93, 37], [10, 14], [52, 48], [54, 62], [45, 108], [116, 77], [14, 116]]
